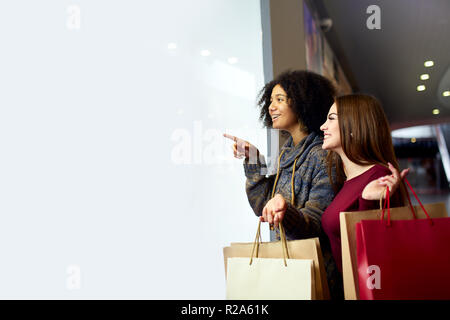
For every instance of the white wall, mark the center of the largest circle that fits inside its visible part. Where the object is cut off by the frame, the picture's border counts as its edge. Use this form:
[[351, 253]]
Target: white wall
[[115, 181]]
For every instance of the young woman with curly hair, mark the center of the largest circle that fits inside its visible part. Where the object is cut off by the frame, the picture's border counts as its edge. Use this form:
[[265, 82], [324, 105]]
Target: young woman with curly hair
[[295, 102]]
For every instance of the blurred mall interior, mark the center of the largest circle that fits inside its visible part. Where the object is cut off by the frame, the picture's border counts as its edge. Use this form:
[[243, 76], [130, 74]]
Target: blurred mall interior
[[397, 51]]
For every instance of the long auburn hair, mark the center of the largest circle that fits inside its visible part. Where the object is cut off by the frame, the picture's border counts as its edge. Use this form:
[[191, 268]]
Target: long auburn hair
[[365, 137]]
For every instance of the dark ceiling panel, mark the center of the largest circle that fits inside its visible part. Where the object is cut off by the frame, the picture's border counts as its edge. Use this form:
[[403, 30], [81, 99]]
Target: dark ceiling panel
[[388, 62]]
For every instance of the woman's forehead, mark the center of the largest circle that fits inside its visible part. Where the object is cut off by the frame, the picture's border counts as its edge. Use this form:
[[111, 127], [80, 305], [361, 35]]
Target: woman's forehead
[[333, 108], [278, 90]]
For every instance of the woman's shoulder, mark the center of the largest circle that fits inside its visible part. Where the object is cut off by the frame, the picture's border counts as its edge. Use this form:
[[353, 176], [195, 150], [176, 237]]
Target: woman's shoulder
[[381, 170], [317, 152], [316, 160], [377, 171]]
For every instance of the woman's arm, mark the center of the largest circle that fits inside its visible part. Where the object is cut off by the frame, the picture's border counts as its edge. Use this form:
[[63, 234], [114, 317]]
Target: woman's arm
[[376, 188], [305, 221], [258, 186]]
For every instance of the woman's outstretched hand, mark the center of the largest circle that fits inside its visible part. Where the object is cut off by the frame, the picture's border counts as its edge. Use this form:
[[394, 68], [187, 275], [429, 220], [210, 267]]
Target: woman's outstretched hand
[[375, 189], [242, 148], [274, 210]]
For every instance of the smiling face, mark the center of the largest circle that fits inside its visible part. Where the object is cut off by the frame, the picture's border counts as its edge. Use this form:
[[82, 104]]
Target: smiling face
[[283, 117], [331, 132]]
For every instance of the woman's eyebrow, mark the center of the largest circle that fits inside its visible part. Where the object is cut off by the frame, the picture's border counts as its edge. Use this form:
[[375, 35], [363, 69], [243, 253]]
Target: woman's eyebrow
[[279, 94], [332, 114]]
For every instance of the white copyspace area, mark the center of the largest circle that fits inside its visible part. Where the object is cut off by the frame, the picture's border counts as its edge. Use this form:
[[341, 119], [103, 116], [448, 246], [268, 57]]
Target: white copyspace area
[[115, 180]]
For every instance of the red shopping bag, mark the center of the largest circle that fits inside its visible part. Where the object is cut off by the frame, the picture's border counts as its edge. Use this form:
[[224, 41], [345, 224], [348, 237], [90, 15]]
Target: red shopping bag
[[403, 259]]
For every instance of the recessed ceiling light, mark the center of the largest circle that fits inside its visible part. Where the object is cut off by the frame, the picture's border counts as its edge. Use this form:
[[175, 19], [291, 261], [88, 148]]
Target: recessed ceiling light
[[413, 140], [421, 88], [429, 63], [205, 53], [172, 46], [446, 93], [436, 111], [424, 76]]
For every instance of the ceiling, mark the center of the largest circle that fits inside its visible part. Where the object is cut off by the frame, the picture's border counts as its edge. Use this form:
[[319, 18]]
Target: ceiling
[[388, 62]]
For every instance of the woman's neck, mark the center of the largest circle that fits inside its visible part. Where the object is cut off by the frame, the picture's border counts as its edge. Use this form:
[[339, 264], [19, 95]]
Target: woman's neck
[[352, 169], [297, 135]]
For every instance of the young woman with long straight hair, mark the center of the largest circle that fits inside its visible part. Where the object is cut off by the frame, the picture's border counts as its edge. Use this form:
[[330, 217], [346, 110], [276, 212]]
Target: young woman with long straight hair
[[362, 159]]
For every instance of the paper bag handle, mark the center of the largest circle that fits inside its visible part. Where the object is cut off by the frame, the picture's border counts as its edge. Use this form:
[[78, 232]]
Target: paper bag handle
[[257, 242], [410, 205]]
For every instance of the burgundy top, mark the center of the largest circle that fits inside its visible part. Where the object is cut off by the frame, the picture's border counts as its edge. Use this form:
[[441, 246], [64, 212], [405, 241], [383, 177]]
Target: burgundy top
[[350, 198]]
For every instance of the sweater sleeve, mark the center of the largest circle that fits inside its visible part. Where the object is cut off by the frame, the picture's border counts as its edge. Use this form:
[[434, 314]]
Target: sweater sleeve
[[305, 222], [258, 187]]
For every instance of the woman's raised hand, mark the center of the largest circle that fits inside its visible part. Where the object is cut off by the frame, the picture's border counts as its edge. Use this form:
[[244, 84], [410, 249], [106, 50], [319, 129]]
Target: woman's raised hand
[[375, 189], [242, 148]]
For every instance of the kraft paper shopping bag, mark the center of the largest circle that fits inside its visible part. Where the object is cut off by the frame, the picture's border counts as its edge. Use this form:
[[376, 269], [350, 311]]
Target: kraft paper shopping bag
[[298, 249], [270, 279], [348, 221], [403, 259]]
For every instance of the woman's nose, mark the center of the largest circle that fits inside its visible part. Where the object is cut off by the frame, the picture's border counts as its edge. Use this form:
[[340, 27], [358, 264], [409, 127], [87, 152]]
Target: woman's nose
[[323, 127]]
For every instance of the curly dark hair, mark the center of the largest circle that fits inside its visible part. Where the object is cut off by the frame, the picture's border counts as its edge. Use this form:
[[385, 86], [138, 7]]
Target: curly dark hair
[[310, 96]]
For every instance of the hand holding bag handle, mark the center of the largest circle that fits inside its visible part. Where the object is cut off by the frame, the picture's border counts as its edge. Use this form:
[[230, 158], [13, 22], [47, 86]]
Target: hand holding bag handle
[[410, 205], [292, 185], [321, 273], [257, 242]]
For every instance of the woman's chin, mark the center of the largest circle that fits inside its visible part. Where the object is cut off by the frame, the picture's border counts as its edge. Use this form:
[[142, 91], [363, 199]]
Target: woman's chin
[[279, 127]]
